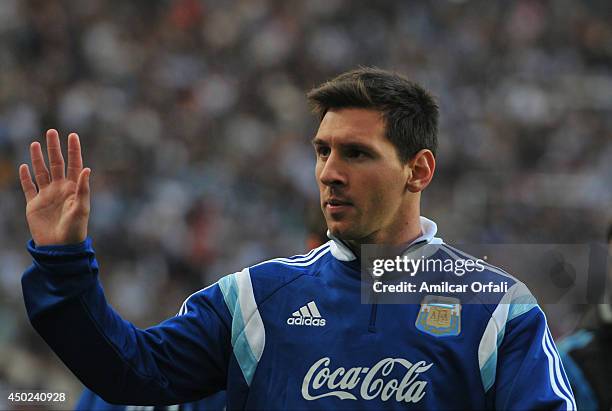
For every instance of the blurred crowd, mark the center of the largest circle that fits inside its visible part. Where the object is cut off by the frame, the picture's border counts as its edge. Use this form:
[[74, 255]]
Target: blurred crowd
[[193, 119]]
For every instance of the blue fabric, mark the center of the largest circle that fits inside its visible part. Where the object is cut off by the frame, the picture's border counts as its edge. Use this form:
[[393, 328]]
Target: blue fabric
[[351, 355], [89, 401]]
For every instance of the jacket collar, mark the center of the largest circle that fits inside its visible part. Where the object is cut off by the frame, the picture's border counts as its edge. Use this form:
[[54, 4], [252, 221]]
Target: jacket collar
[[342, 252]]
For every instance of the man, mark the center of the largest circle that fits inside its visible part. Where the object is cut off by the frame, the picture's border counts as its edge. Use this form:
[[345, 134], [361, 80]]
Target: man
[[586, 353], [292, 333]]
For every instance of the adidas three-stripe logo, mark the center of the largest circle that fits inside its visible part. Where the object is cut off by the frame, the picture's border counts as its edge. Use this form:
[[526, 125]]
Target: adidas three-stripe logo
[[307, 315]]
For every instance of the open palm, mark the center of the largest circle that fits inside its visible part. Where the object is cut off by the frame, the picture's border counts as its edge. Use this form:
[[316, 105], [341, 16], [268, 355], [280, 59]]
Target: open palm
[[58, 211]]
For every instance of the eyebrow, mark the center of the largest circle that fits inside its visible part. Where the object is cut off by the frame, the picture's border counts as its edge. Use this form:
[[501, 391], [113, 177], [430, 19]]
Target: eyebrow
[[355, 146], [317, 141]]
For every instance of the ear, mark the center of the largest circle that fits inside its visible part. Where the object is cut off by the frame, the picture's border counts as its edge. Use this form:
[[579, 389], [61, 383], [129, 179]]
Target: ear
[[422, 167]]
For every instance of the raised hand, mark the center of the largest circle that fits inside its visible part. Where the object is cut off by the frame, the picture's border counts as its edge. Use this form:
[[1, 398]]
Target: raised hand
[[58, 211]]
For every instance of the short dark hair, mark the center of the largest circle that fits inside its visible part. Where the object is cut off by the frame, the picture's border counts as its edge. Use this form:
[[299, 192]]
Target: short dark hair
[[410, 112]]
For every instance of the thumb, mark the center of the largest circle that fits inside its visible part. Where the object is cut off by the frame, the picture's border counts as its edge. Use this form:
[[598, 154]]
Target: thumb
[[83, 184]]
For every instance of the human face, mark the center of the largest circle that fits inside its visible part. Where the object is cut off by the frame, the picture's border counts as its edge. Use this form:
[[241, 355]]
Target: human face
[[362, 183]]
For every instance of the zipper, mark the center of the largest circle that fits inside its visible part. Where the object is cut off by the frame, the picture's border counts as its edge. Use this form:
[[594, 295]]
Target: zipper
[[373, 297], [373, 311], [372, 325]]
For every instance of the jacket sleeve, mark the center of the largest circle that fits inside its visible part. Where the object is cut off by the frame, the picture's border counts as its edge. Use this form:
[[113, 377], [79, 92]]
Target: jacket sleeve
[[91, 402], [519, 362], [180, 360]]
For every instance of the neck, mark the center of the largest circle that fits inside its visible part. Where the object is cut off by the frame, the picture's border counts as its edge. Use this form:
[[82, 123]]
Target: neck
[[399, 235]]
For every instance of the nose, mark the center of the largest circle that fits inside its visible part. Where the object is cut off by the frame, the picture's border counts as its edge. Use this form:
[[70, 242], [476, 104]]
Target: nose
[[332, 172]]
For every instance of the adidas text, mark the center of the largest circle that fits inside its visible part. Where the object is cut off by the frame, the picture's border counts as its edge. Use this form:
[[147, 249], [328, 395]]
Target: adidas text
[[317, 322], [308, 315]]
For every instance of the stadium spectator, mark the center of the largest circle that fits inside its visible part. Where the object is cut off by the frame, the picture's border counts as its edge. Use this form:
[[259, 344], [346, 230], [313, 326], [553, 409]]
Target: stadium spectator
[[586, 353]]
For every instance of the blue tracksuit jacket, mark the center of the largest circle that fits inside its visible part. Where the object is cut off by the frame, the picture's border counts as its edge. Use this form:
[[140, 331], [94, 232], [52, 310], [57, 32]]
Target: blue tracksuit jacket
[[89, 401], [292, 333]]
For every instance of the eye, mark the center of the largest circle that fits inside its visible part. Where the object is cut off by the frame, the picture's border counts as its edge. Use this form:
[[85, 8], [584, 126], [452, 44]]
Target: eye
[[355, 153], [322, 151]]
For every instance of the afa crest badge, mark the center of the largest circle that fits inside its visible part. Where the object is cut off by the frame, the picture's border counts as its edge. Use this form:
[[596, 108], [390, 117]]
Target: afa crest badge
[[439, 316]]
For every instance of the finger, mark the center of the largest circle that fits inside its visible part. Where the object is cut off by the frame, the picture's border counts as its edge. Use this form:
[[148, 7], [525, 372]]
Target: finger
[[41, 174], [75, 161], [83, 185], [29, 189], [54, 150]]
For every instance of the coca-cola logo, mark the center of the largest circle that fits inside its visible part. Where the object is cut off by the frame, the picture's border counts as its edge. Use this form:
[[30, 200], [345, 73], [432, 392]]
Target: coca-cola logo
[[369, 383]]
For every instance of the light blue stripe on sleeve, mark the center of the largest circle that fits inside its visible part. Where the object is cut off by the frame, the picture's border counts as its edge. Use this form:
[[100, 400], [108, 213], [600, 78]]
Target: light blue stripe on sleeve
[[487, 372], [517, 301], [247, 350], [520, 305]]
